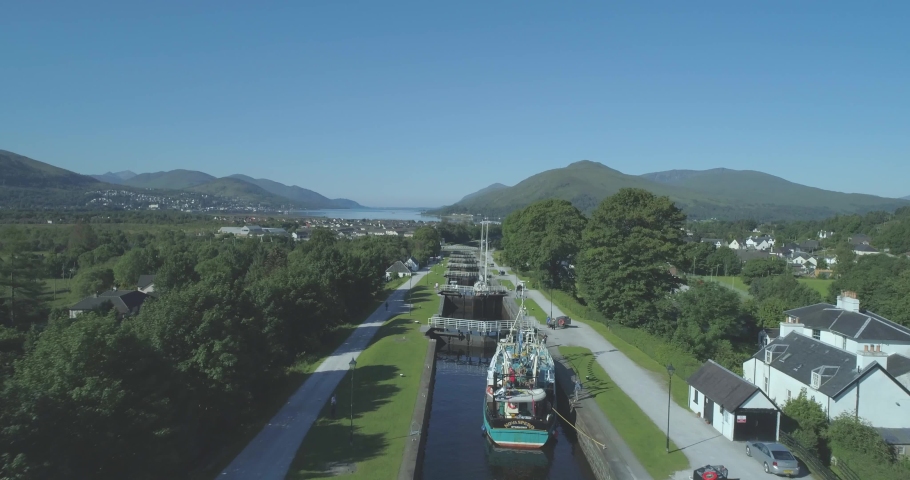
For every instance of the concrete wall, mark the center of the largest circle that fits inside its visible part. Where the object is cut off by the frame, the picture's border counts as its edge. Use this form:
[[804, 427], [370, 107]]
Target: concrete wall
[[412, 459]]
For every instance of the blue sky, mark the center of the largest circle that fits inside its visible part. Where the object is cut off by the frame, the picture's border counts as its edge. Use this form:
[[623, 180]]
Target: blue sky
[[420, 103]]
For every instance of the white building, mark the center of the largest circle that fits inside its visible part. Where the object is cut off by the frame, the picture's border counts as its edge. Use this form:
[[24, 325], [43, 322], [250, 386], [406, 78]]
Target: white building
[[737, 244], [864, 249], [846, 359], [412, 264], [736, 408]]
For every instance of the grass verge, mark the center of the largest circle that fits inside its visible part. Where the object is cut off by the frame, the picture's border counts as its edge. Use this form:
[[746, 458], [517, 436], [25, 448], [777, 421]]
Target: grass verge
[[642, 436], [385, 391]]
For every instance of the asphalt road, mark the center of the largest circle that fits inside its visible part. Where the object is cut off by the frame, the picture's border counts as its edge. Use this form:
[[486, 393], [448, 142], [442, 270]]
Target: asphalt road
[[270, 453], [700, 442]]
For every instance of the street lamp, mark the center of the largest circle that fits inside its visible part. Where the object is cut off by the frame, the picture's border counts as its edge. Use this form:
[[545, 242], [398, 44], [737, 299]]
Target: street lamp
[[670, 371], [352, 364]]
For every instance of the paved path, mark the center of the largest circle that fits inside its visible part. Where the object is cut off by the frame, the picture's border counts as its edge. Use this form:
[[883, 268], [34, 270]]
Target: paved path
[[269, 455], [700, 442]]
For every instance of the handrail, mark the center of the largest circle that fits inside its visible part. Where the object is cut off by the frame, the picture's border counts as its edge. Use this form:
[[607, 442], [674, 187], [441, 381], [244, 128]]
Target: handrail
[[480, 326]]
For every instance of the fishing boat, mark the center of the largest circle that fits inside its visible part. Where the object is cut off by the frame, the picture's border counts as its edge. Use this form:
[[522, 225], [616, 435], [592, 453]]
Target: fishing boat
[[518, 408]]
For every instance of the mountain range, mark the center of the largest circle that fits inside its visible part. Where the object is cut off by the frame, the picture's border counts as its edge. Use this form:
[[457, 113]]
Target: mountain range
[[717, 193], [27, 183]]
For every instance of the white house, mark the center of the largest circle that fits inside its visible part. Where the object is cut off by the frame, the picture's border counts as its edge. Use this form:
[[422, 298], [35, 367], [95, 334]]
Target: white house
[[737, 244], [412, 264], [804, 260], [846, 359], [825, 234], [300, 235], [398, 268], [146, 283], [737, 409], [831, 260], [244, 231]]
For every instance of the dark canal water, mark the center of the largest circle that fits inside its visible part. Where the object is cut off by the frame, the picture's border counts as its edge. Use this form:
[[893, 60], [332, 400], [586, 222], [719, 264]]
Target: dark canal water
[[456, 447]]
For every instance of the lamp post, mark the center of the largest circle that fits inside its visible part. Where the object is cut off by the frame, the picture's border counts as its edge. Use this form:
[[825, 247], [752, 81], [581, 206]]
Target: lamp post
[[352, 364], [670, 371]]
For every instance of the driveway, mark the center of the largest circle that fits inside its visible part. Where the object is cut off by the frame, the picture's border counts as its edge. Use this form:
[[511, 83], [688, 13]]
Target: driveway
[[700, 442], [270, 453]]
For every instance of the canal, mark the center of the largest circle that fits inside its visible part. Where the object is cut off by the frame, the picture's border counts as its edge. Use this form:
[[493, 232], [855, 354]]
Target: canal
[[457, 448]]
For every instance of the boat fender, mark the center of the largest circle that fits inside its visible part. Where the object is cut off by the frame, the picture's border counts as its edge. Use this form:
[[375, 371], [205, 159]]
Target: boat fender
[[489, 390], [512, 406]]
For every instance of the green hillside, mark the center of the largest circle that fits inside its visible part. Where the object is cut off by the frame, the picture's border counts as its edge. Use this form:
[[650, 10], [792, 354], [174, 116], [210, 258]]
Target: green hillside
[[235, 188], [307, 198], [23, 172], [491, 188], [719, 193], [171, 180]]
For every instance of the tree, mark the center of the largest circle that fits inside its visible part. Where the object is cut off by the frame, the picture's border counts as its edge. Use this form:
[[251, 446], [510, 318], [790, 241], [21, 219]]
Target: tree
[[727, 259], [626, 247], [763, 267], [708, 313], [425, 244], [93, 280], [542, 237], [807, 422], [136, 262]]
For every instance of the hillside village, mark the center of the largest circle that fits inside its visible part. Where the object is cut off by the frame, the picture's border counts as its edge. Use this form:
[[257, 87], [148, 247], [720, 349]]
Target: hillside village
[[302, 228]]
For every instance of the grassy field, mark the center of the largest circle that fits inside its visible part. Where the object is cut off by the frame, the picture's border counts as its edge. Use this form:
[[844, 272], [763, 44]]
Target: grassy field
[[735, 282], [818, 284], [642, 436], [385, 384], [535, 311], [507, 283]]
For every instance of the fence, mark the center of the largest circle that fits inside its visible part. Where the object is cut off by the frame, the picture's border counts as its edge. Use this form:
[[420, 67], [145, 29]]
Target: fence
[[819, 469]]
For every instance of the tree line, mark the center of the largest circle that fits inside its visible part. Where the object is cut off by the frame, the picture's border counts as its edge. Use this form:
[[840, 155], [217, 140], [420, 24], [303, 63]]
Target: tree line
[[619, 262], [155, 394]]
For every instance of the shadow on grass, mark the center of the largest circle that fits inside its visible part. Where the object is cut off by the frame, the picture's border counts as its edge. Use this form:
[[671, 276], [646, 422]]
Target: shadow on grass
[[583, 364], [332, 441]]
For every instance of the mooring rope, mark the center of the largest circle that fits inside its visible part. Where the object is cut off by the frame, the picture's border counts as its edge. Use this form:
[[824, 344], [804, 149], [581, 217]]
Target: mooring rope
[[602, 446]]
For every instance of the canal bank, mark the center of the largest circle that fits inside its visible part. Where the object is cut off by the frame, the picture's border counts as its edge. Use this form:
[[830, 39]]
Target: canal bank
[[605, 450]]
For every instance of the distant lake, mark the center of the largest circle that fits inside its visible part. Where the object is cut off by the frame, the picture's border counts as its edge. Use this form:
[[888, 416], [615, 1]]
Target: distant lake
[[369, 214]]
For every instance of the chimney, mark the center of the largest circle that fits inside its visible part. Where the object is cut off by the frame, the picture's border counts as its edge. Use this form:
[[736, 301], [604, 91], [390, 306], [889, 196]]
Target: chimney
[[847, 300], [871, 354], [792, 324]]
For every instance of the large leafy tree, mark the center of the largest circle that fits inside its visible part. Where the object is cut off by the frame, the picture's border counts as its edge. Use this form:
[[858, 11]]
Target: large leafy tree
[[425, 244], [763, 267], [694, 257], [708, 315], [93, 280], [725, 260], [626, 249], [21, 287], [544, 237]]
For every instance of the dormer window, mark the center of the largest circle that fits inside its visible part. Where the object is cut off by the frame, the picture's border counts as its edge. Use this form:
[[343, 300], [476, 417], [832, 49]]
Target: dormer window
[[816, 334], [821, 375], [816, 380]]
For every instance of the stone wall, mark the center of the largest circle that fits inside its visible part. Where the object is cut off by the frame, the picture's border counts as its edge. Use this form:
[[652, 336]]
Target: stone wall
[[412, 459]]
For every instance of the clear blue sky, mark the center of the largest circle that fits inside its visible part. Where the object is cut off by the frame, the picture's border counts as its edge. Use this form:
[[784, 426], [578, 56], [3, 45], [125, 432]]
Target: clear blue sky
[[419, 103]]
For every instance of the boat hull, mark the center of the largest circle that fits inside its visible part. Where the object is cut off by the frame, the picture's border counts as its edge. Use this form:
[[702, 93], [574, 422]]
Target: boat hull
[[531, 435]]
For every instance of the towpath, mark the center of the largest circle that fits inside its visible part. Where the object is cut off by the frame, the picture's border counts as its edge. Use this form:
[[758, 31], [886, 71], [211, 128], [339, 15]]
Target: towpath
[[270, 453], [700, 442]]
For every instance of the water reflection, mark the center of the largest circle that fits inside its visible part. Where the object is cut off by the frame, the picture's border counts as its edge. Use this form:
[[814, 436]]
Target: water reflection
[[456, 446]]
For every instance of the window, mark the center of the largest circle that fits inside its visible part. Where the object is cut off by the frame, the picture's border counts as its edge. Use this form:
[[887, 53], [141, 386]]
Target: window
[[695, 398], [788, 395], [900, 450], [816, 334], [766, 384], [843, 342]]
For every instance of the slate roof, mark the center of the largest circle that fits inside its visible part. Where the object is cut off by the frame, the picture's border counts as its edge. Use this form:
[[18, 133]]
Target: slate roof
[[863, 248], [859, 238], [712, 240], [895, 436], [862, 325], [145, 281], [803, 354], [898, 364], [124, 301], [726, 388], [746, 255], [398, 267]]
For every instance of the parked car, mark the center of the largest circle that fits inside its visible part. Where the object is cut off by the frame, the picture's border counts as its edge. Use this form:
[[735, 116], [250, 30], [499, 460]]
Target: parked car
[[775, 458], [710, 472]]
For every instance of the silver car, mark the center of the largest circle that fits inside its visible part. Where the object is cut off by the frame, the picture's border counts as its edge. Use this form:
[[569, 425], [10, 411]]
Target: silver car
[[775, 457]]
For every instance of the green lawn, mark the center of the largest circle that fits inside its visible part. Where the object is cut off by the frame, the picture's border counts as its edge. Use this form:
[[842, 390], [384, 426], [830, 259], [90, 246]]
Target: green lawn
[[385, 383], [507, 283], [735, 282], [818, 284], [642, 436], [535, 311]]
